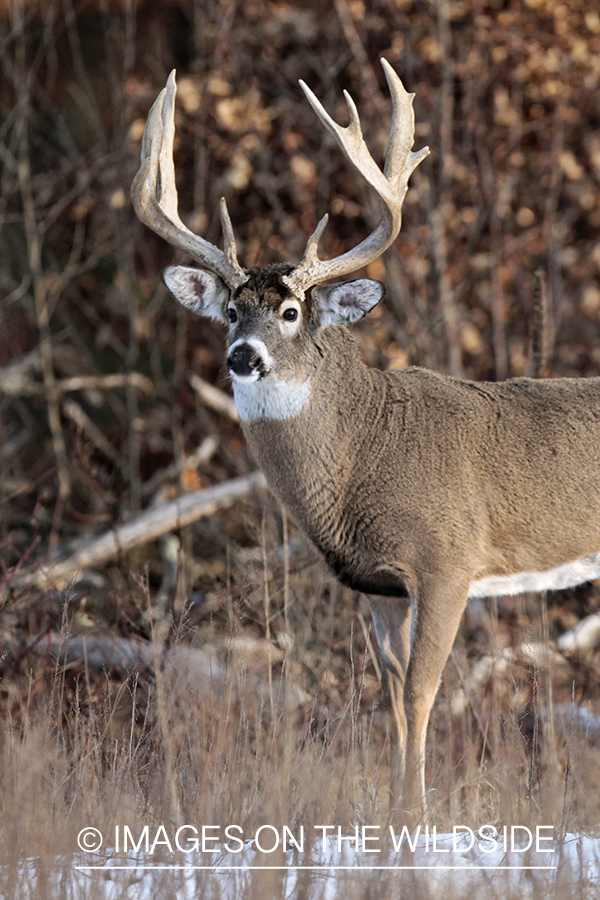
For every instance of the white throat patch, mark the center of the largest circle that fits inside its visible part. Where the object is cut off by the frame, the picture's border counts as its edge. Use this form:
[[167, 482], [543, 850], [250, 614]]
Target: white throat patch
[[268, 399]]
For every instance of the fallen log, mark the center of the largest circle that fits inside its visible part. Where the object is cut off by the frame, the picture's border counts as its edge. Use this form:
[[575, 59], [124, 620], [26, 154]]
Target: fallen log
[[192, 673], [144, 528]]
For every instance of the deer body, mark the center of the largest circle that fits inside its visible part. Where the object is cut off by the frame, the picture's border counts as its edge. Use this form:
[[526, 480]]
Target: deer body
[[422, 490], [503, 479], [399, 473], [418, 489]]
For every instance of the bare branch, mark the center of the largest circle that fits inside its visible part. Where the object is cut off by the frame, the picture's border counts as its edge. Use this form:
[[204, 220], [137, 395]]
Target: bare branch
[[14, 382], [215, 398], [144, 528], [539, 341]]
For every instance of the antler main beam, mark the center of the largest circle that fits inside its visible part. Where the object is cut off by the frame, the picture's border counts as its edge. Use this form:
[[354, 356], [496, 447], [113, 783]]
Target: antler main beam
[[390, 185], [154, 194]]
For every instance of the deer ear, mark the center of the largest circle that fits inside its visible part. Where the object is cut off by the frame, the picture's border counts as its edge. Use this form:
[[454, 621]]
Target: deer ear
[[201, 291], [348, 301]]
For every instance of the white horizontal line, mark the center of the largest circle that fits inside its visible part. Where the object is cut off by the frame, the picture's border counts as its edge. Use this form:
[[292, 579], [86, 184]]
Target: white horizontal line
[[218, 867]]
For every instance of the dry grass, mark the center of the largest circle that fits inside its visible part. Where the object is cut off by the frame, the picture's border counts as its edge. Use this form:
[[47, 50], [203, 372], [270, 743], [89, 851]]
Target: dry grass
[[277, 717], [281, 737]]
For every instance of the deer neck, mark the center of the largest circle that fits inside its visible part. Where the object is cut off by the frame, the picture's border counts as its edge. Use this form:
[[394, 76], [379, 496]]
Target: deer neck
[[310, 435]]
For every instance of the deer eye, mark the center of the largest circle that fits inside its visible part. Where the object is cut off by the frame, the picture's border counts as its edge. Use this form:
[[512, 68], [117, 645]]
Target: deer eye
[[291, 314], [232, 314]]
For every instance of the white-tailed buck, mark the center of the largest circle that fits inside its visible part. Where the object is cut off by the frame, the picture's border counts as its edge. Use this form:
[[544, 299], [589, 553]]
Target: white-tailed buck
[[419, 489]]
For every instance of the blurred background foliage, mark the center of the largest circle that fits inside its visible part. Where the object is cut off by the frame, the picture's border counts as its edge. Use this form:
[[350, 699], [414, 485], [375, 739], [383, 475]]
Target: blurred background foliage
[[507, 99]]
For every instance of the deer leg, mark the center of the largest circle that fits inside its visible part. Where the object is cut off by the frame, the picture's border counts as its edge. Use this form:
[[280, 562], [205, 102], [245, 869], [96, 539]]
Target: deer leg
[[437, 613], [391, 619]]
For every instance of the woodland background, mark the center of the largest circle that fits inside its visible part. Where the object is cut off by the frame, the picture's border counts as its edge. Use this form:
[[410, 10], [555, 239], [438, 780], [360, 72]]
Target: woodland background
[[102, 415]]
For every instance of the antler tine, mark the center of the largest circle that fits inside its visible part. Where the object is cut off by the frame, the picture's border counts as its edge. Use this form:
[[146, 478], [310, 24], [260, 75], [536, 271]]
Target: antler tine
[[154, 194], [229, 240], [400, 161], [390, 185], [350, 139]]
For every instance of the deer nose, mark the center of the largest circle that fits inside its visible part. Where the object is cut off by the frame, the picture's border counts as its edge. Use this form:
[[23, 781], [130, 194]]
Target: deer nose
[[244, 360]]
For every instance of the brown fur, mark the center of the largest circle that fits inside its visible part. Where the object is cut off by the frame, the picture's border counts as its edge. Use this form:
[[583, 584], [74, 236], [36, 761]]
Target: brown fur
[[414, 486], [490, 473]]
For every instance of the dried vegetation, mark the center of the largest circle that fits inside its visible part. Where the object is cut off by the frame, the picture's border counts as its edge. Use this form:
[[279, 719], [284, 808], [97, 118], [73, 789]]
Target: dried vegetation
[[103, 415]]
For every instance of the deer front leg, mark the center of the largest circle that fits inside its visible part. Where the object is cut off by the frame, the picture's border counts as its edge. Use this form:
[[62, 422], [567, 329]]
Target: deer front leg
[[437, 611], [413, 656], [391, 619]]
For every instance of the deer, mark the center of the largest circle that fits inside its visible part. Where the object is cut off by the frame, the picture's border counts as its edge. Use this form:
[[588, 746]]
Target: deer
[[419, 489]]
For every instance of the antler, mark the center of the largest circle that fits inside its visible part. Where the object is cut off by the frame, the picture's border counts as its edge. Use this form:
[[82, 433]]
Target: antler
[[154, 194], [391, 184]]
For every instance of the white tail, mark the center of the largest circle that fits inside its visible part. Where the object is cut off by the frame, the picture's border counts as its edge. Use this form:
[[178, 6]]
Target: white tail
[[419, 489]]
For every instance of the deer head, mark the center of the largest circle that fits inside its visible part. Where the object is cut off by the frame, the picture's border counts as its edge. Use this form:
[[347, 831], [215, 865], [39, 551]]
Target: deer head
[[293, 300]]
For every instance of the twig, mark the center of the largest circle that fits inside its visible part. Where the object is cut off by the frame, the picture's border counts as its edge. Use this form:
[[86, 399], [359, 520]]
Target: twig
[[367, 635], [539, 338], [15, 383], [88, 427], [15, 374], [286, 572], [14, 444], [360, 55], [34, 238], [105, 382], [448, 304], [267, 599], [146, 527], [200, 457], [215, 397], [36, 538]]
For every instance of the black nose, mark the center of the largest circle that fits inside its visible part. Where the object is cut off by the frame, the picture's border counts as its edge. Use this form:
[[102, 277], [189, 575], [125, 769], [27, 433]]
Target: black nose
[[244, 360]]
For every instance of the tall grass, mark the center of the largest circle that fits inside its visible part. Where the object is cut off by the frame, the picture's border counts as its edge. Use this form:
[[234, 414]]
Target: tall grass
[[262, 703], [231, 737]]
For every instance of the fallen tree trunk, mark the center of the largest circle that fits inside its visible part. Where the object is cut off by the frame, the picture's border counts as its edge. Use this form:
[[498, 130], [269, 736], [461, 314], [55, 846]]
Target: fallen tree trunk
[[193, 675], [146, 527]]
